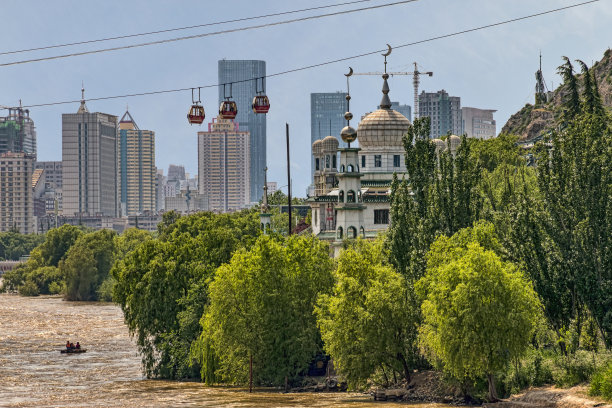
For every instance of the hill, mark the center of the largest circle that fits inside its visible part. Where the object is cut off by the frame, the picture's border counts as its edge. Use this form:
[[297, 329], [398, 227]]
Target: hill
[[531, 122]]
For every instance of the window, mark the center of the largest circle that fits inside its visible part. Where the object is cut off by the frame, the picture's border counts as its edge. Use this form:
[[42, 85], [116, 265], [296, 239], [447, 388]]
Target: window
[[339, 233], [362, 232], [351, 232], [363, 159], [377, 160], [341, 196], [349, 168], [350, 197], [381, 216], [316, 164], [396, 160], [315, 216], [327, 161], [334, 161]]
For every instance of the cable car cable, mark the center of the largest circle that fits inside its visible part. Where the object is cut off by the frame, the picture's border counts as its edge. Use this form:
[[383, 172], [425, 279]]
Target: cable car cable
[[182, 28], [470, 30], [190, 37]]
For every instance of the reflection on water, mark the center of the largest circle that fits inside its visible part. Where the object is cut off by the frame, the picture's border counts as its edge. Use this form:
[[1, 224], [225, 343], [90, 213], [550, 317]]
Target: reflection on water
[[34, 373]]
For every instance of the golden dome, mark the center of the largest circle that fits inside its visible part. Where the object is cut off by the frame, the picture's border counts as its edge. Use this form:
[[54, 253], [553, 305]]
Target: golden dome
[[382, 128]]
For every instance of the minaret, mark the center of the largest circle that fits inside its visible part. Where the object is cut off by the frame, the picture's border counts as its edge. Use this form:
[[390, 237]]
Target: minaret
[[264, 216], [349, 220]]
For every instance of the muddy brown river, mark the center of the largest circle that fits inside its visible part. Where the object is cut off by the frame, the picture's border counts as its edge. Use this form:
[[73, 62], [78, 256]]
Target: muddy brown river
[[33, 373]]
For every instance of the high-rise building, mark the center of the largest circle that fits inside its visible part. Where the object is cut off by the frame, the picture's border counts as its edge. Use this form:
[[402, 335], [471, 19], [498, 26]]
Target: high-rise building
[[252, 73], [176, 172], [16, 192], [327, 111], [224, 167], [405, 110], [444, 111], [160, 190], [479, 123], [17, 132], [89, 160], [136, 167], [53, 172]]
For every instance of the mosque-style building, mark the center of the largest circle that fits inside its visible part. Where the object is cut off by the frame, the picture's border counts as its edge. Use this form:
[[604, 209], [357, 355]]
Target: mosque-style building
[[352, 197]]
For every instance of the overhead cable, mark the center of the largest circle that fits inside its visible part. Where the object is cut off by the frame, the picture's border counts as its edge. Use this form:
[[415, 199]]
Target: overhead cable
[[470, 30], [168, 30], [190, 37]]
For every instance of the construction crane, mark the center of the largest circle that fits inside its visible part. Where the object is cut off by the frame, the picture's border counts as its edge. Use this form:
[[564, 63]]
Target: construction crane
[[415, 82]]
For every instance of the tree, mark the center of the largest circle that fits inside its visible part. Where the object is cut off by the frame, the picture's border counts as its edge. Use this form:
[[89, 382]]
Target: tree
[[162, 285], [479, 312], [87, 264], [261, 307], [369, 321], [14, 245], [575, 179]]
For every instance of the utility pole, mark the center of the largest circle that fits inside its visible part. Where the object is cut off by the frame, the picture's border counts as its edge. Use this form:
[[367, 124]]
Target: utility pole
[[288, 176]]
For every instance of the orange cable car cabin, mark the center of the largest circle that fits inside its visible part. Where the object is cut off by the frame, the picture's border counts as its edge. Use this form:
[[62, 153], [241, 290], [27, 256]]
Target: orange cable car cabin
[[261, 104], [228, 109], [196, 114]]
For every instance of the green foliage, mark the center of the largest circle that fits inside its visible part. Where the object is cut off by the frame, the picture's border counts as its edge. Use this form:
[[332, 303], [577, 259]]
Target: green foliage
[[29, 288], [280, 198], [162, 285], [14, 245], [369, 322], [57, 242], [261, 306], [601, 383], [87, 264], [494, 152], [479, 312], [48, 279]]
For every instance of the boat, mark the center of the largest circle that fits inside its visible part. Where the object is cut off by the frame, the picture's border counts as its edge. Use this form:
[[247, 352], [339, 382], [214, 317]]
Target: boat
[[74, 350]]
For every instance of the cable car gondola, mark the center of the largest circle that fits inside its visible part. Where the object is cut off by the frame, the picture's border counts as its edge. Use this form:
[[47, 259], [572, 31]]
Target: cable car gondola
[[261, 103], [196, 113], [228, 108]]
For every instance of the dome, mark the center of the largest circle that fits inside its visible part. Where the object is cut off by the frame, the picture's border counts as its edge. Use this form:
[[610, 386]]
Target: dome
[[317, 147], [440, 145], [329, 144], [382, 128], [455, 141]]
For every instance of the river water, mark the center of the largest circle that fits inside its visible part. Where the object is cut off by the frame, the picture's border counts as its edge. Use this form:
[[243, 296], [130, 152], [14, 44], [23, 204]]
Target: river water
[[33, 373]]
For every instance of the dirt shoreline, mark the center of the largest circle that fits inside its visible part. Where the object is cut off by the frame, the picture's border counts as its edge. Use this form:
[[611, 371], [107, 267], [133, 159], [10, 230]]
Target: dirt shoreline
[[551, 397]]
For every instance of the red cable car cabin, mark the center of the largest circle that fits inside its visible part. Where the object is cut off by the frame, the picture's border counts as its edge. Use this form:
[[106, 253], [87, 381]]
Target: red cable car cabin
[[228, 110], [261, 104], [196, 114]]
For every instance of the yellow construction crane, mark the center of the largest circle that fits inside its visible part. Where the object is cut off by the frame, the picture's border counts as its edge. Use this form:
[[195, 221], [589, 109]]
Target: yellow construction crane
[[415, 82]]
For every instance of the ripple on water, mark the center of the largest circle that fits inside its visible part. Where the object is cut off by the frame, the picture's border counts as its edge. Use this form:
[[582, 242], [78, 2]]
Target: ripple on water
[[34, 373]]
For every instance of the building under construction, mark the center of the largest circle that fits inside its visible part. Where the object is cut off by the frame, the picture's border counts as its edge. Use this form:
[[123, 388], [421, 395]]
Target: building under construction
[[17, 132]]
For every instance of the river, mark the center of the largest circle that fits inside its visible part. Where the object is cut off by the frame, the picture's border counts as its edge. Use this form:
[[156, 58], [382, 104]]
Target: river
[[33, 373]]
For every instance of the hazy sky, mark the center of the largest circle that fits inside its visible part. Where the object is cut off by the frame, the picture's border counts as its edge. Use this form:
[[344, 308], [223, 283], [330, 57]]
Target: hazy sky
[[491, 69]]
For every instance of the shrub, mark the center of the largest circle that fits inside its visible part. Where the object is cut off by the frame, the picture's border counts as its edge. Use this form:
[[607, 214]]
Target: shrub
[[601, 383], [29, 288]]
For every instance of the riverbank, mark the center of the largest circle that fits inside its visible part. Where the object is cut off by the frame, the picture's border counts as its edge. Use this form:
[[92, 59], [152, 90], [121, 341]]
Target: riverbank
[[551, 397]]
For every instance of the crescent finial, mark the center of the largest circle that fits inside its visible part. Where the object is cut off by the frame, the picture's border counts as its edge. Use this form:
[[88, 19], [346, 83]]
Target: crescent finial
[[350, 72], [386, 54]]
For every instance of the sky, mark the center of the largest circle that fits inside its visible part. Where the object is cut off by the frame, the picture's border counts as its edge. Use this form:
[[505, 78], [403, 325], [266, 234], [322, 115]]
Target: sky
[[488, 69]]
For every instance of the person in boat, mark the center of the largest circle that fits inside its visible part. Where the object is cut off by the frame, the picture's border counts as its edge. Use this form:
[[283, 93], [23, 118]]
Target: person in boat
[[78, 346], [68, 345], [72, 346]]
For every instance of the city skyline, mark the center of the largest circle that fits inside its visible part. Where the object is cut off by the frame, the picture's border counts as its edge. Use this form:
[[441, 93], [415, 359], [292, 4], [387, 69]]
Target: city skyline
[[474, 66]]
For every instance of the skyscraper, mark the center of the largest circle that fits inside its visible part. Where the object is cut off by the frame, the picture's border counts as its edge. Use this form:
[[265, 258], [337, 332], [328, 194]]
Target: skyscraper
[[224, 168], [17, 132], [136, 167], [405, 110], [444, 111], [16, 192], [251, 72], [89, 161], [327, 117]]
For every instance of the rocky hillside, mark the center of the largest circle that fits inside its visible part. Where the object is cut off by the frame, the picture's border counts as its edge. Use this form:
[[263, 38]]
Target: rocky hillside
[[531, 122]]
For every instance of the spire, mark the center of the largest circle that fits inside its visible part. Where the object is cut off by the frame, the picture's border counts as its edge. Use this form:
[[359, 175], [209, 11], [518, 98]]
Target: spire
[[264, 205], [83, 107], [385, 103], [127, 121]]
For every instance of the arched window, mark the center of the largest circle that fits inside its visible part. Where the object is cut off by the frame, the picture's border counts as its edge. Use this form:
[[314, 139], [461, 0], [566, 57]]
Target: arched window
[[362, 232], [341, 196], [342, 168], [334, 164], [350, 197], [350, 168], [317, 163], [327, 161], [351, 232], [339, 233]]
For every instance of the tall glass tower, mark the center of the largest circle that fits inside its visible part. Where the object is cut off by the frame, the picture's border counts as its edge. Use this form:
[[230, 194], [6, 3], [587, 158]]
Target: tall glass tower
[[242, 93], [327, 117]]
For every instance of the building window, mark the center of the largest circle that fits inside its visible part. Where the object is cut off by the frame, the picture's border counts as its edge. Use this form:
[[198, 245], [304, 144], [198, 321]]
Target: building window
[[362, 232], [377, 160], [381, 216], [363, 159], [327, 161], [315, 216], [316, 164], [351, 232], [341, 196], [350, 168], [334, 161], [396, 160], [350, 197], [339, 233]]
